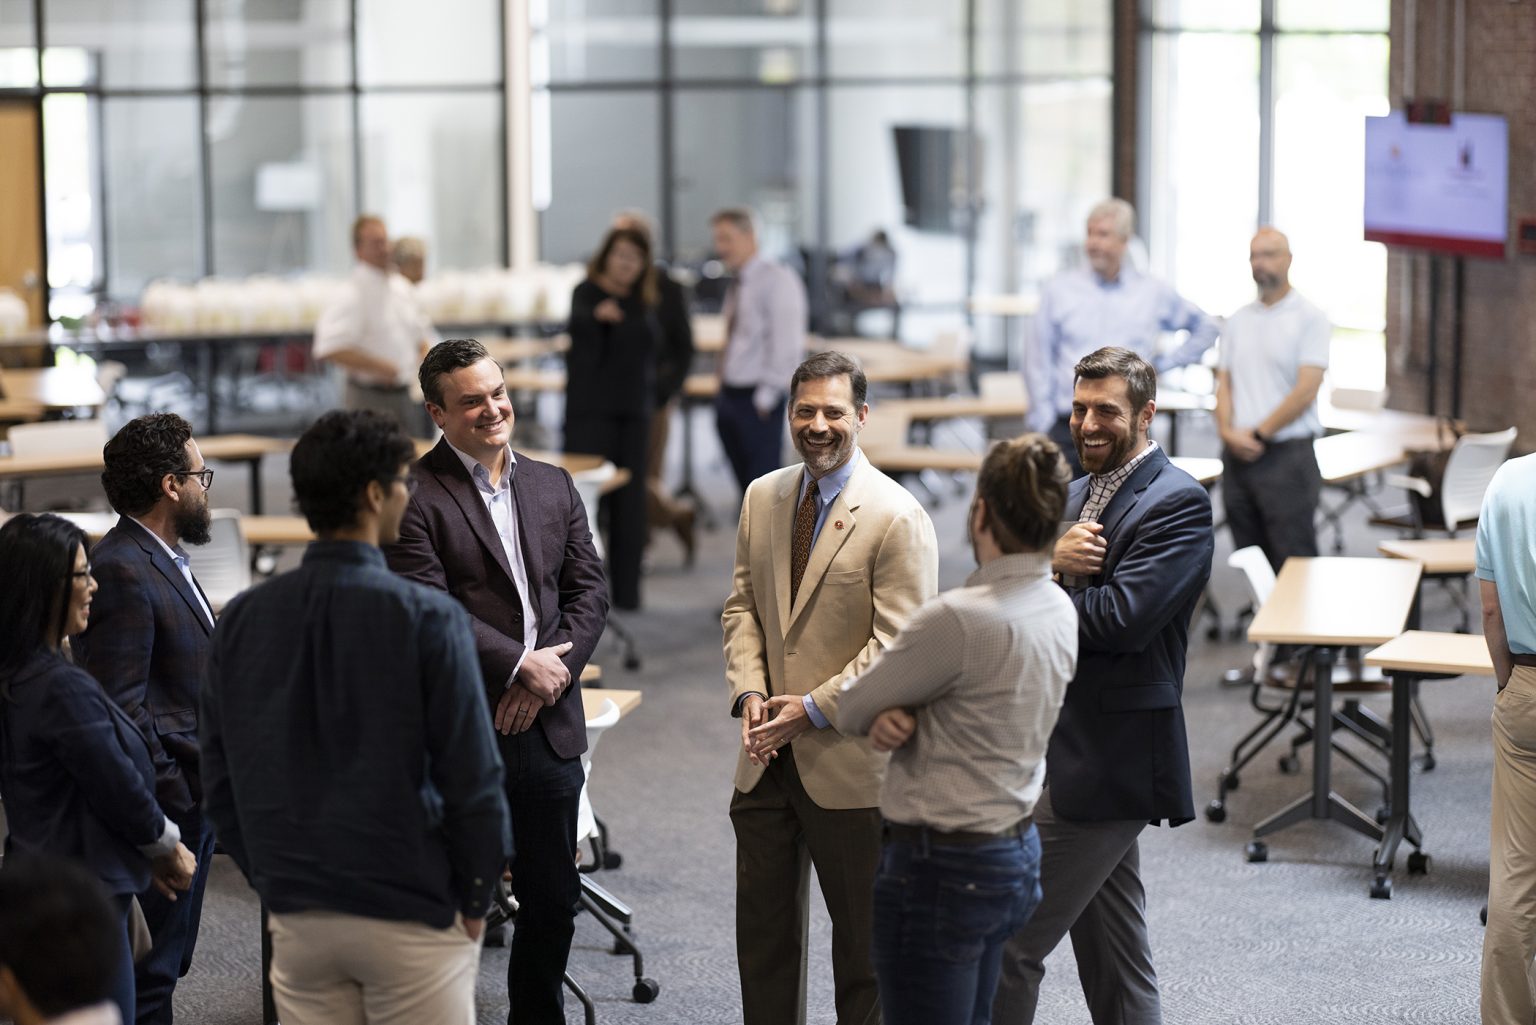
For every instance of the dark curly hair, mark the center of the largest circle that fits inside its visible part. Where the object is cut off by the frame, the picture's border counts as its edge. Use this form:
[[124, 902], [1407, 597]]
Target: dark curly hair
[[334, 460], [1024, 483], [139, 456], [37, 558], [58, 933]]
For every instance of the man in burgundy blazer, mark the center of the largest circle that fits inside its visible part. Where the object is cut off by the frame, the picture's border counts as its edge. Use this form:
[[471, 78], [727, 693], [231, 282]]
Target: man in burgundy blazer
[[508, 537]]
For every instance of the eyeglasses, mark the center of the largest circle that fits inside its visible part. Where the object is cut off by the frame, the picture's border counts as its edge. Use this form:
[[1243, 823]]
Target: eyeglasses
[[81, 574], [204, 476]]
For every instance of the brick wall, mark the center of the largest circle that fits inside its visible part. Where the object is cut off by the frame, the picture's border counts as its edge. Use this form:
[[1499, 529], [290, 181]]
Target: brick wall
[[1499, 309]]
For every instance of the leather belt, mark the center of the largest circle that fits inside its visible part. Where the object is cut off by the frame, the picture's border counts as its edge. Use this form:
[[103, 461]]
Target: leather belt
[[1522, 660], [957, 838]]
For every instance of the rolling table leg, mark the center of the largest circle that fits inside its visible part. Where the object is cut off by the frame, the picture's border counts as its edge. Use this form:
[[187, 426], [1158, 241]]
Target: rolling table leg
[[256, 486]]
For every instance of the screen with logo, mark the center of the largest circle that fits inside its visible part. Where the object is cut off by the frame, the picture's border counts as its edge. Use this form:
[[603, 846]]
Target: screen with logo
[[1443, 187]]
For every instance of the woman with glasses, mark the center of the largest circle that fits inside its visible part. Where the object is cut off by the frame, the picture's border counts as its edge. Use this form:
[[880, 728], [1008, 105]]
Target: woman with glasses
[[75, 771]]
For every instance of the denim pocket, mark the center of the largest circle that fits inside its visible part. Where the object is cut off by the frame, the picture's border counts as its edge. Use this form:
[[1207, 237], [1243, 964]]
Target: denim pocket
[[969, 913]]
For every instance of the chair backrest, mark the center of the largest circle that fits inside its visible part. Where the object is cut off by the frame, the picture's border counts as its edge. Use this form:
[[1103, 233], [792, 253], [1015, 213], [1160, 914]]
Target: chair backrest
[[586, 818], [1468, 472], [885, 429], [56, 437], [955, 343], [1259, 575], [589, 485], [223, 565]]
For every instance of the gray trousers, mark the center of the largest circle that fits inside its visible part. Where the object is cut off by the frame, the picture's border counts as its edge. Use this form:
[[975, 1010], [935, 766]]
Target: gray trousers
[[1090, 873], [395, 402], [1272, 502]]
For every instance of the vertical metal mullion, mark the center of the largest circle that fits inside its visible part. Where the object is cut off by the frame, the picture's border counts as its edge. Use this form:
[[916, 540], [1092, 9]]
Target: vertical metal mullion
[[42, 165], [969, 142], [205, 143], [357, 117], [1266, 112], [822, 164], [506, 112], [99, 172], [667, 134]]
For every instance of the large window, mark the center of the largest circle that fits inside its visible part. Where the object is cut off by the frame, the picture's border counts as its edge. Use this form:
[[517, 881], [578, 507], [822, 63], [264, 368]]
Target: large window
[[246, 144], [1256, 115], [795, 107]]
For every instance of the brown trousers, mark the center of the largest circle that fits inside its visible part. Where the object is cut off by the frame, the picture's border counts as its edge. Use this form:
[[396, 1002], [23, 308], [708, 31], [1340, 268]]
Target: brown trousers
[[1510, 941], [780, 834]]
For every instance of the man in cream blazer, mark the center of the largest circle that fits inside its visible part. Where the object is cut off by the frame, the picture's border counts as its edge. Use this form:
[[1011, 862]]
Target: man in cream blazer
[[832, 557]]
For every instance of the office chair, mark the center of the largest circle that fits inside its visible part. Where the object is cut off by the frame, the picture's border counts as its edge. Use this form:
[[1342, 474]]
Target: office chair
[[589, 485]]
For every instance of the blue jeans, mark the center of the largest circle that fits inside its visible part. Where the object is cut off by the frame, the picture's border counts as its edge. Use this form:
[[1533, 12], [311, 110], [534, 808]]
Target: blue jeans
[[942, 915]]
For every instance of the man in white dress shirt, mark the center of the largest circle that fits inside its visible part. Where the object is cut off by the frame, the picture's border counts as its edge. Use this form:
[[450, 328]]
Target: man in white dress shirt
[[377, 333]]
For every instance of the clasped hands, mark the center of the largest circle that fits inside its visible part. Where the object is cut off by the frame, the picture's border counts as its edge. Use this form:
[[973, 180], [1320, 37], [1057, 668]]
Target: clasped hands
[[173, 871], [540, 681], [768, 725]]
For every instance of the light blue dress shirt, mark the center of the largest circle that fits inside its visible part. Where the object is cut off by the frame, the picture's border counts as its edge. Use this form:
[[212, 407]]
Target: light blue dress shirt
[[1081, 312], [830, 487], [179, 556], [1506, 549]]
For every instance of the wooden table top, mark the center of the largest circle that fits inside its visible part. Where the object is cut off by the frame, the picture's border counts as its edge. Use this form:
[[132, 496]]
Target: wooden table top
[[1175, 401], [1417, 431], [215, 447], [954, 407], [520, 350], [1427, 651], [592, 699], [53, 387], [21, 411], [525, 379], [1344, 457], [1204, 469], [917, 458], [1436, 555], [1005, 305], [1337, 602]]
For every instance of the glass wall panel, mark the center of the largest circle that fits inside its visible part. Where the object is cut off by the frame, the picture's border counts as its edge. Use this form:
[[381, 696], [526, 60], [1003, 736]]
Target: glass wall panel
[[751, 40], [71, 165], [1204, 180], [432, 167], [1330, 15], [895, 39], [604, 156], [746, 146], [450, 42], [278, 42], [152, 167], [600, 41], [1325, 88], [1043, 37], [1207, 15], [864, 182], [141, 45], [18, 45], [282, 184]]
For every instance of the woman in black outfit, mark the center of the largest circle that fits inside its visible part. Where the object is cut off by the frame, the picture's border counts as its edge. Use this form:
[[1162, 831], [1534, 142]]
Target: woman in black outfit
[[610, 386], [74, 769]]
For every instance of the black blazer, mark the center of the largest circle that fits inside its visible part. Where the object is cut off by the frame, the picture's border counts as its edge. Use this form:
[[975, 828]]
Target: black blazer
[[1119, 750], [675, 356], [76, 774], [610, 368], [147, 643], [565, 576]]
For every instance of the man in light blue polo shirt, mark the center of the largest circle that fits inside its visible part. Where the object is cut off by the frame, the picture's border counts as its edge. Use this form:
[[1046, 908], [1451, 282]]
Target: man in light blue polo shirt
[[1506, 574]]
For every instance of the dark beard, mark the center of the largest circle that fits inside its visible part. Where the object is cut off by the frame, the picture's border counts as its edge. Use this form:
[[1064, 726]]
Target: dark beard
[[192, 525]]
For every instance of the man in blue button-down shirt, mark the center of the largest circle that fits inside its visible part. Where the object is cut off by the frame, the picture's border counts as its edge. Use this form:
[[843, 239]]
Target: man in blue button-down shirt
[[1107, 303], [348, 761]]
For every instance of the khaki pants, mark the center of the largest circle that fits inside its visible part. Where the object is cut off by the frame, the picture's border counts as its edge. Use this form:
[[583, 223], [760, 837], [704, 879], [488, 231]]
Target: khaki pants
[[334, 969], [1510, 942]]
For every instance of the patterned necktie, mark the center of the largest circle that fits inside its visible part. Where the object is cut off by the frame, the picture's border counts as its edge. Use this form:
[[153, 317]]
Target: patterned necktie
[[805, 531]]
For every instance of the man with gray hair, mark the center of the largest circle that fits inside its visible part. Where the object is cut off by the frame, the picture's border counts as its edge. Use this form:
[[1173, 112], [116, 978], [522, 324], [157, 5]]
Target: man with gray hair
[[765, 322], [1107, 303]]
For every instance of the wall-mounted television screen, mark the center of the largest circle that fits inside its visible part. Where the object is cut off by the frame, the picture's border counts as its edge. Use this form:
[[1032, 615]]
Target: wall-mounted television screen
[[1441, 187]]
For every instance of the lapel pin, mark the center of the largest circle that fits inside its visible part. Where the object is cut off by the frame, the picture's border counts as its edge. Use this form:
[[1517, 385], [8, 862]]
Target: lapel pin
[[838, 525]]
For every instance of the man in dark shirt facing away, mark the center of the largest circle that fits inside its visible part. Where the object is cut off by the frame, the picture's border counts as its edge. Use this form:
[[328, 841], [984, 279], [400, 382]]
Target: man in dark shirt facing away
[[348, 762]]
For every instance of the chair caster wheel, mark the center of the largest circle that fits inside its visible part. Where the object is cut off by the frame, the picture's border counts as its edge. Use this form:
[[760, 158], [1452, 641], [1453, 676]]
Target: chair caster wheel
[[645, 990], [1381, 889], [1256, 852], [613, 859], [632, 663], [1382, 813], [1418, 863], [1290, 764], [1216, 812], [1233, 780], [1426, 761], [1483, 914]]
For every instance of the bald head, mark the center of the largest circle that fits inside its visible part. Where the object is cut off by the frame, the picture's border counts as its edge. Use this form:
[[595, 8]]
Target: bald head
[[1269, 256]]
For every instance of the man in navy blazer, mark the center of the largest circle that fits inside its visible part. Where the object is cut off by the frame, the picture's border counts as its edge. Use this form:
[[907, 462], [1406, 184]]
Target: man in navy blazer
[[147, 644], [508, 537], [1134, 563]]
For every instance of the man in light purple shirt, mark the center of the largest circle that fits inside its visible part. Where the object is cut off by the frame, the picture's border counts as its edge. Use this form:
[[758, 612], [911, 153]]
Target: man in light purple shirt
[[1107, 303], [765, 316]]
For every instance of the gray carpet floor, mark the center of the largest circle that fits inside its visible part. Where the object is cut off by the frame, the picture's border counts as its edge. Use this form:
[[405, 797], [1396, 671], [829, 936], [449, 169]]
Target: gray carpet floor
[[1295, 940]]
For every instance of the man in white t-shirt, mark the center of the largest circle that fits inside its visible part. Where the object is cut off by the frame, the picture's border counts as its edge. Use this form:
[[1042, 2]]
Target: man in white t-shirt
[[377, 333], [1273, 354]]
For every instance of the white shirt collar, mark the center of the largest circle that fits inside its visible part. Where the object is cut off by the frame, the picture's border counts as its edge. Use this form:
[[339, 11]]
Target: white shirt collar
[[178, 554], [476, 469]]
